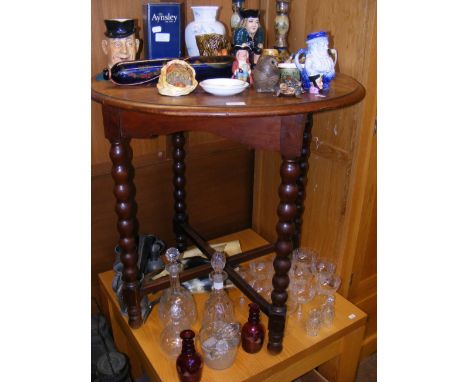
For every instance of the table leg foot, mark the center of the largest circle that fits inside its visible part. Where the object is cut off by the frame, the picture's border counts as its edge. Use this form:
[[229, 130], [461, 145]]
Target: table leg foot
[[276, 324]]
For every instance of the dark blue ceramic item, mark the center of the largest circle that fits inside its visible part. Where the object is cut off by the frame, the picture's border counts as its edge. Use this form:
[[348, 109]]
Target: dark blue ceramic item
[[146, 71]]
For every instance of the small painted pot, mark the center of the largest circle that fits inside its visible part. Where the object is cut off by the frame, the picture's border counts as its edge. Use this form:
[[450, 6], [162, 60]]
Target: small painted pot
[[289, 69]]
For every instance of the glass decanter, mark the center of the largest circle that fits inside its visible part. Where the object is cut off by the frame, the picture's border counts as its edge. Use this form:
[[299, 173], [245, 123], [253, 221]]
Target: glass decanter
[[220, 333], [170, 340], [219, 306], [176, 294]]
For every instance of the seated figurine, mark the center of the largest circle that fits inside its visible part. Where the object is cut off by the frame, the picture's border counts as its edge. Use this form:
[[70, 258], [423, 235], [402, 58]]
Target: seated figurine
[[241, 66], [250, 34]]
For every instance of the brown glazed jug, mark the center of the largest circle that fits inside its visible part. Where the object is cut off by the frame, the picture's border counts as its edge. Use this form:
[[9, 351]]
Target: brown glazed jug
[[189, 363], [253, 332]]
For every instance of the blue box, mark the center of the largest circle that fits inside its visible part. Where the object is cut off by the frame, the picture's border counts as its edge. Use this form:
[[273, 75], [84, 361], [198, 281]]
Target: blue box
[[163, 30]]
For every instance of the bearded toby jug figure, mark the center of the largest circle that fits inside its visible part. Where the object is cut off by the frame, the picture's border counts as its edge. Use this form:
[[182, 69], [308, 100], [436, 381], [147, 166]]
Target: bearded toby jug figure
[[250, 33], [319, 68], [120, 43]]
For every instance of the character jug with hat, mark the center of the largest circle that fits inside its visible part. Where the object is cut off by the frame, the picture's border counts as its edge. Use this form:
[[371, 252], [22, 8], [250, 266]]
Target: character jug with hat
[[318, 63], [241, 69], [120, 43]]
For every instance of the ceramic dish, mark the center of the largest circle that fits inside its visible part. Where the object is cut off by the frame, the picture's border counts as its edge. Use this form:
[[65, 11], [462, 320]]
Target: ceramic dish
[[224, 86]]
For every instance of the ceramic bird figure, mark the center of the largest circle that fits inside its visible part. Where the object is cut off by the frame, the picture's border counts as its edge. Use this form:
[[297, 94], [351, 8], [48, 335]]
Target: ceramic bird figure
[[266, 74]]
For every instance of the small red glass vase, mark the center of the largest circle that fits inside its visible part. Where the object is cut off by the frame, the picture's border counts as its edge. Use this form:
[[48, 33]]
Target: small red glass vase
[[253, 332], [189, 363]]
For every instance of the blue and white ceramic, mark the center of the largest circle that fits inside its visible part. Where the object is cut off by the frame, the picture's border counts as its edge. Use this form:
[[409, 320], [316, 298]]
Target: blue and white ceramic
[[318, 60]]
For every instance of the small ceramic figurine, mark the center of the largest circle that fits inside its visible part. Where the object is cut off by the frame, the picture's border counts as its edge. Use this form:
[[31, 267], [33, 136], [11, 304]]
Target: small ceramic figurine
[[266, 74], [250, 33], [241, 66], [120, 43], [177, 78], [318, 60]]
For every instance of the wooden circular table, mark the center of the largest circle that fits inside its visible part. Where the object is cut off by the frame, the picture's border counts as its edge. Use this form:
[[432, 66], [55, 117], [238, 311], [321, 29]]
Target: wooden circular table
[[258, 120]]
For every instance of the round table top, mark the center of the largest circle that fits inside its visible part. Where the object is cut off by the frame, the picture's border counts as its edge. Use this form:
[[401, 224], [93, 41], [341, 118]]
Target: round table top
[[344, 91]]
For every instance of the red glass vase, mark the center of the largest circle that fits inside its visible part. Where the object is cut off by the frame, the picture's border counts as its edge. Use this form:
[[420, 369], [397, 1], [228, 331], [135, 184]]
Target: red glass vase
[[253, 332], [189, 363]]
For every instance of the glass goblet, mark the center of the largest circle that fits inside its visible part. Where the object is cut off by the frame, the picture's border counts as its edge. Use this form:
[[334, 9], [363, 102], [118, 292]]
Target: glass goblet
[[325, 265], [260, 276], [328, 283], [301, 288]]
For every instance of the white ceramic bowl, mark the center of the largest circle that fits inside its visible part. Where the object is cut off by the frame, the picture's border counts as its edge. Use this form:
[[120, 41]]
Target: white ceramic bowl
[[223, 86]]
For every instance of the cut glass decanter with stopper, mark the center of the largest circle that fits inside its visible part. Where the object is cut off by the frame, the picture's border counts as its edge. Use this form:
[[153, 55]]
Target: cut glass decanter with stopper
[[176, 295], [219, 306], [220, 333]]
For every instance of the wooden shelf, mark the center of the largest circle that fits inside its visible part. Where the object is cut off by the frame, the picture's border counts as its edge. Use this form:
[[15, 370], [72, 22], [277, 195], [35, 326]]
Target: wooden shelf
[[300, 354]]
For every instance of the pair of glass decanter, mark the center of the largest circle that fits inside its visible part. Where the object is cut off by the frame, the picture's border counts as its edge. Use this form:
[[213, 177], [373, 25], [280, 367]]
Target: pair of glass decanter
[[219, 334]]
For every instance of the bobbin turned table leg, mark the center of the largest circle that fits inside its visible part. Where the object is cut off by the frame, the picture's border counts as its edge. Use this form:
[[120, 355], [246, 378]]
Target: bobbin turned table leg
[[302, 180], [180, 208], [124, 191], [283, 247]]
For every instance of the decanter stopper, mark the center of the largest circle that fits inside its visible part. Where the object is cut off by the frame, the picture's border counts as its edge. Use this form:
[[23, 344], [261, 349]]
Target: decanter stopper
[[189, 363], [172, 255], [253, 332], [218, 261]]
